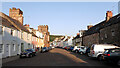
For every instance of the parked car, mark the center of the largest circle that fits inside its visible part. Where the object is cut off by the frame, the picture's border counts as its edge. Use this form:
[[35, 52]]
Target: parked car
[[49, 48], [88, 51], [28, 53], [71, 48], [112, 55], [96, 50], [76, 49], [53, 47], [44, 49], [67, 47], [82, 50], [64, 47]]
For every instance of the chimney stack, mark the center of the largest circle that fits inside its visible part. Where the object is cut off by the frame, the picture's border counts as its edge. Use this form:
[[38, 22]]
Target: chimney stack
[[16, 14], [89, 26], [109, 14], [27, 25]]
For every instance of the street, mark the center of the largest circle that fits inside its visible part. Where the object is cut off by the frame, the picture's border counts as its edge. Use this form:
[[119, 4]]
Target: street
[[56, 57]]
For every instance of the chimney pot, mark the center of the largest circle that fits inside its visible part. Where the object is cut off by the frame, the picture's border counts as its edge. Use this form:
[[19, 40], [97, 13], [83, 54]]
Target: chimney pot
[[109, 14]]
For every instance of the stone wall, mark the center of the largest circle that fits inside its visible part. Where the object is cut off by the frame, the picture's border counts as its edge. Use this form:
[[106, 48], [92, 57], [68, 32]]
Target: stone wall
[[91, 39], [110, 34]]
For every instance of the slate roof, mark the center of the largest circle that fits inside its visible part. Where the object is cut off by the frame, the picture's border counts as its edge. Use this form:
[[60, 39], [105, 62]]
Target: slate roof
[[12, 23], [96, 29]]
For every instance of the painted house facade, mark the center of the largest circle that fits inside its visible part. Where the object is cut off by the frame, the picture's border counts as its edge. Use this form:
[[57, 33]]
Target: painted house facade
[[15, 37]]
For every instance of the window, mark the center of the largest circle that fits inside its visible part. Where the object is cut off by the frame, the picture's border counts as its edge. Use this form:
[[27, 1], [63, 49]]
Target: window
[[113, 32], [105, 35], [27, 36], [11, 32], [1, 48], [14, 47], [101, 38], [1, 30], [43, 35], [22, 35]]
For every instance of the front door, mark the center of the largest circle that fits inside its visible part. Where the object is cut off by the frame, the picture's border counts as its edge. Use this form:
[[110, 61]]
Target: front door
[[7, 50], [22, 47]]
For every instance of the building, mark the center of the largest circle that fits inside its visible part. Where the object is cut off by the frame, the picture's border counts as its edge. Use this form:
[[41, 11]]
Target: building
[[111, 32], [76, 40], [105, 32], [70, 41], [15, 37], [44, 30]]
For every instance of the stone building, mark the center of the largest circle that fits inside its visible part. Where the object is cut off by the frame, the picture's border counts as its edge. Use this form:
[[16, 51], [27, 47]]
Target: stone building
[[105, 32], [44, 30], [110, 34]]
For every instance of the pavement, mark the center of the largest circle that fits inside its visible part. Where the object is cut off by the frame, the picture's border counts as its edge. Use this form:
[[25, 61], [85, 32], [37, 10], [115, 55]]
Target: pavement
[[12, 58]]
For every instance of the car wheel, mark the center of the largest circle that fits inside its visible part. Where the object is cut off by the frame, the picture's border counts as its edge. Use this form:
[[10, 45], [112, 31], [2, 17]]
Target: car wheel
[[21, 57], [35, 54], [88, 54], [100, 58], [30, 55], [118, 63], [81, 52], [76, 51]]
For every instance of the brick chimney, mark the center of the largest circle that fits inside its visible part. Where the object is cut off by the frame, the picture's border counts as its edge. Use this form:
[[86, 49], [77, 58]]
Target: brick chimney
[[78, 33], [16, 14], [109, 14], [27, 25], [89, 26]]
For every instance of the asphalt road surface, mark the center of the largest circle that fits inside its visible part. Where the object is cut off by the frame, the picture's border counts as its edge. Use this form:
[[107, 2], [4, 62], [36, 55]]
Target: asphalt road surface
[[57, 57]]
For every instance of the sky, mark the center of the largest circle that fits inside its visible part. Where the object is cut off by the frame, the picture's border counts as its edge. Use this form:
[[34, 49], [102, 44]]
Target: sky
[[63, 18]]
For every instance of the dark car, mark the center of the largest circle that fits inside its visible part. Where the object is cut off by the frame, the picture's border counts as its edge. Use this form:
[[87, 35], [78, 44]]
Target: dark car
[[44, 49], [71, 48], [28, 53], [112, 55]]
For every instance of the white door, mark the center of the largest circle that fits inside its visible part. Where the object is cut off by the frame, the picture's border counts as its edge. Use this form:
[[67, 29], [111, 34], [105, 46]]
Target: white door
[[18, 49], [7, 50]]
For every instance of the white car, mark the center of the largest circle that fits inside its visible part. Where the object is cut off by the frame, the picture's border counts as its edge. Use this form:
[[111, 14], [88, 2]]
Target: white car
[[96, 50], [82, 50], [76, 49], [53, 47]]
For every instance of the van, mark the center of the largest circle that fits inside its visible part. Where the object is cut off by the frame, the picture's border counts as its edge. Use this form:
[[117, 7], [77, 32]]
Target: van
[[96, 50]]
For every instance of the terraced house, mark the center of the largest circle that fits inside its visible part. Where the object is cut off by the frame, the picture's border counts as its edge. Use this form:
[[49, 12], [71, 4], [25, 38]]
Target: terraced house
[[105, 32], [15, 37]]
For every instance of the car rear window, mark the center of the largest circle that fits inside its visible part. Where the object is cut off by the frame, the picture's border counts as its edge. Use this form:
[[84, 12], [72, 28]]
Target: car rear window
[[92, 47], [106, 51]]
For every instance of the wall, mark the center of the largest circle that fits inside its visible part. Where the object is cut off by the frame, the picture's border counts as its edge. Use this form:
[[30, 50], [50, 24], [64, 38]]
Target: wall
[[8, 40], [91, 39], [110, 34]]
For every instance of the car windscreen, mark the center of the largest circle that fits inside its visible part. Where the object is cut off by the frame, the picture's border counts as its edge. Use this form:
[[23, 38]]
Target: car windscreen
[[44, 48], [92, 47], [28, 50], [82, 47], [115, 50]]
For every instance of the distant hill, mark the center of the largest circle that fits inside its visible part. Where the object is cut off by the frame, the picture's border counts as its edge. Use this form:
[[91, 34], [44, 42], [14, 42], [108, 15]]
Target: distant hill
[[52, 37]]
